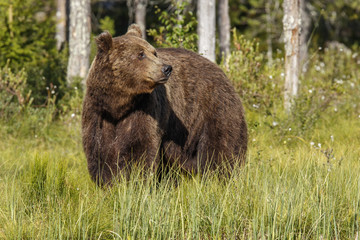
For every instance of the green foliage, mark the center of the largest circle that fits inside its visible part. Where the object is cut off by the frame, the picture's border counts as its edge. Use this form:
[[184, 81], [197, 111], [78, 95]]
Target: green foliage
[[27, 30], [16, 107], [337, 19], [71, 103], [330, 86], [329, 21], [178, 28], [14, 95], [107, 24], [256, 82], [252, 20], [93, 48]]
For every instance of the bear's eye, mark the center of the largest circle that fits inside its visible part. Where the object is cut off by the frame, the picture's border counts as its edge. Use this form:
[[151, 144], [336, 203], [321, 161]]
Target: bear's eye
[[141, 55], [155, 54]]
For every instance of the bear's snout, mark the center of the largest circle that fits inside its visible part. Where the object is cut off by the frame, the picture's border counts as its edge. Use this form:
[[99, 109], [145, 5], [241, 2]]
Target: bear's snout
[[167, 69]]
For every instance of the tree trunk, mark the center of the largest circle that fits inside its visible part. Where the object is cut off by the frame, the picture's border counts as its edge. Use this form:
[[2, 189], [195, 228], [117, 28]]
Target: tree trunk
[[291, 25], [224, 28], [140, 15], [79, 40], [269, 23], [130, 6], [60, 35], [206, 28], [304, 36]]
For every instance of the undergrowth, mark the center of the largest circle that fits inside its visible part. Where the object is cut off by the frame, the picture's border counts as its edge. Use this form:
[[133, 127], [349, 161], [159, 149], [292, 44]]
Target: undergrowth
[[284, 191]]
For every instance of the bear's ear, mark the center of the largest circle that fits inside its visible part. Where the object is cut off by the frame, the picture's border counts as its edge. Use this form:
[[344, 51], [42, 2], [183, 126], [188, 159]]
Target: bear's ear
[[134, 30], [104, 42]]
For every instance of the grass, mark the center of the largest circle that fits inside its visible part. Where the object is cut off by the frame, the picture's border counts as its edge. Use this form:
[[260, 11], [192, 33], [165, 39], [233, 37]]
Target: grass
[[288, 189]]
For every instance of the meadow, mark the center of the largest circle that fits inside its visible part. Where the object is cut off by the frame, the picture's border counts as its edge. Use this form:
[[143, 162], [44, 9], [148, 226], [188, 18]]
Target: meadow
[[300, 181], [298, 188]]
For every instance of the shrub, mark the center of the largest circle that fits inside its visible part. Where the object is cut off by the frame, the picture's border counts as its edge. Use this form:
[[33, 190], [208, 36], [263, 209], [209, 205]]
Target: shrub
[[14, 95], [27, 30], [178, 30], [330, 86], [257, 83]]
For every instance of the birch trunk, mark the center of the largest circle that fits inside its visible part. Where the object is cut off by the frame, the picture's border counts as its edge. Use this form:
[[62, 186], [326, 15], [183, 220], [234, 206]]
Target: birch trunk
[[130, 6], [304, 36], [291, 25], [140, 15], [224, 28], [269, 23], [60, 35], [79, 40], [206, 28]]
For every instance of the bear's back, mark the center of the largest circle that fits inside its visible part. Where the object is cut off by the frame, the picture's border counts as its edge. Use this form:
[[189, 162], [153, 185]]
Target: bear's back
[[205, 102]]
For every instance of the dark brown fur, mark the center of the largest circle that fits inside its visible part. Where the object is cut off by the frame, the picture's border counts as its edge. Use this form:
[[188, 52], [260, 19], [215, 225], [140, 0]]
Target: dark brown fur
[[130, 114]]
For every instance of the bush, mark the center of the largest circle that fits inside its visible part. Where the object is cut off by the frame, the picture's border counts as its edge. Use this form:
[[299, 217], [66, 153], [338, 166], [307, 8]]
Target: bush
[[258, 84], [27, 32], [14, 96], [330, 86], [178, 30]]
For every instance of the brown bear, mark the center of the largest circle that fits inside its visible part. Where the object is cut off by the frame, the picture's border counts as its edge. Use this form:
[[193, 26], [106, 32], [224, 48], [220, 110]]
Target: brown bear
[[166, 105]]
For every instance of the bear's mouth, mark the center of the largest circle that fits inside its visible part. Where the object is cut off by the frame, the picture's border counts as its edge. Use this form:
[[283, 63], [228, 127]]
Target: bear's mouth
[[163, 80]]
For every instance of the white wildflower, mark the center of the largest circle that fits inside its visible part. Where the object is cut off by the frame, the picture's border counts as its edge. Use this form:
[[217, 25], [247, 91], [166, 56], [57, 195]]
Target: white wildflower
[[339, 81]]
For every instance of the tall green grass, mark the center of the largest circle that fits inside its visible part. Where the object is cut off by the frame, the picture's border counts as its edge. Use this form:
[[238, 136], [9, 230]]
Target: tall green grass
[[288, 189]]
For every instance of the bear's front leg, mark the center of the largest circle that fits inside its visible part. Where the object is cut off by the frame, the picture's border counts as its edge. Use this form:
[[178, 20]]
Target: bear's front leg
[[128, 146]]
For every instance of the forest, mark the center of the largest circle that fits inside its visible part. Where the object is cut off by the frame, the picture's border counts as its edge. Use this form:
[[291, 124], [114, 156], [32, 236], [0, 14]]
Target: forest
[[301, 176]]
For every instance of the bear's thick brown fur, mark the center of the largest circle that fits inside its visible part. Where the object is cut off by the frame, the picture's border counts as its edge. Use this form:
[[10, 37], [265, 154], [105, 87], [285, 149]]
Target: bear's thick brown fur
[[141, 101]]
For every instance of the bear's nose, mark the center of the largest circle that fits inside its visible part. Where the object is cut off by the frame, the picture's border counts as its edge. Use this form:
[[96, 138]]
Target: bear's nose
[[167, 70]]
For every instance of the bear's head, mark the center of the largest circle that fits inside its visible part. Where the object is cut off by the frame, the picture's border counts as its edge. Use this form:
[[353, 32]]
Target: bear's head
[[124, 67]]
